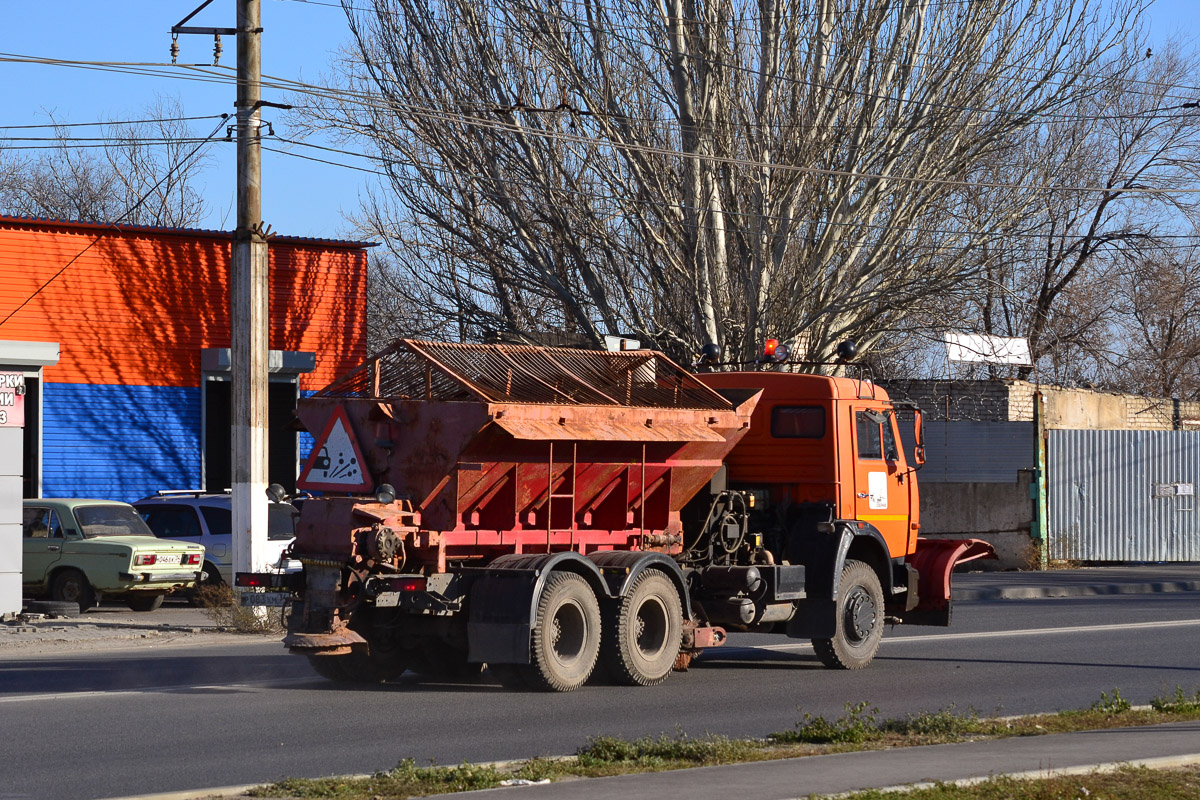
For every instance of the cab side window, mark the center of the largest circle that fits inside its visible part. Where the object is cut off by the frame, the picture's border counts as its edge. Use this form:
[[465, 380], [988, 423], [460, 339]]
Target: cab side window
[[40, 523], [870, 440], [798, 422]]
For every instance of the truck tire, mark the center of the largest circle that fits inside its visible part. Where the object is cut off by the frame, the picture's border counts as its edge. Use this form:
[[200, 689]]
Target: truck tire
[[859, 620], [566, 635], [642, 631], [71, 586]]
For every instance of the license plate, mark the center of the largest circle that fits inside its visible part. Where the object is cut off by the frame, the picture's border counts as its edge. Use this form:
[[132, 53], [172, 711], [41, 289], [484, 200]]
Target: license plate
[[273, 599], [169, 558]]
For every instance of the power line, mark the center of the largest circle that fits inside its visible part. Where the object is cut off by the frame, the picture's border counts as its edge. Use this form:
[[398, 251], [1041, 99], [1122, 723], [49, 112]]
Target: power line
[[624, 200], [614, 33], [104, 123], [1031, 252], [436, 115]]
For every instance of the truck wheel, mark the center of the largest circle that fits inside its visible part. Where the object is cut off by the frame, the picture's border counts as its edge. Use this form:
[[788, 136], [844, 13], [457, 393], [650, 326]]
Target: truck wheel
[[643, 631], [566, 636], [859, 620], [71, 586]]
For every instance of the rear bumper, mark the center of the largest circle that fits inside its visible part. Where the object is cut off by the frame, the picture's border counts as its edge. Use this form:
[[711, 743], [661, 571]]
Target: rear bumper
[[155, 580]]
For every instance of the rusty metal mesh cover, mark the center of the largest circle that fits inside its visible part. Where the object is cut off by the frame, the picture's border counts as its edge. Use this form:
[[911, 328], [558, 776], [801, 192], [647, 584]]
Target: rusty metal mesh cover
[[499, 373]]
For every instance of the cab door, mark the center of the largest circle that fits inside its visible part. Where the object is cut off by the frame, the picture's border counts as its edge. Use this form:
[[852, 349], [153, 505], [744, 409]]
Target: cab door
[[881, 495]]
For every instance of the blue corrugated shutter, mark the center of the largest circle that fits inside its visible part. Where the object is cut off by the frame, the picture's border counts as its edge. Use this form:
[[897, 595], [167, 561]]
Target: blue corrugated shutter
[[119, 442]]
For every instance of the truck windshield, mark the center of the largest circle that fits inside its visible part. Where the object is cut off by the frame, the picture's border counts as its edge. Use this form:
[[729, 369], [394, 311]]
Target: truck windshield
[[111, 520]]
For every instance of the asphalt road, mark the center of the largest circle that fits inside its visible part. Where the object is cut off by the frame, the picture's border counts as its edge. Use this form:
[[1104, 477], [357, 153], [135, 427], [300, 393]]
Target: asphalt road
[[87, 724]]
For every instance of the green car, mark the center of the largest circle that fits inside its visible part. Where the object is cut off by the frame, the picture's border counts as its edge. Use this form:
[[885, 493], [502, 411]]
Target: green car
[[79, 550]]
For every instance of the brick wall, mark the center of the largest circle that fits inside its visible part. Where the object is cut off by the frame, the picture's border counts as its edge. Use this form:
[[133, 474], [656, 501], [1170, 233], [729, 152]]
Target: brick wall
[[1008, 400]]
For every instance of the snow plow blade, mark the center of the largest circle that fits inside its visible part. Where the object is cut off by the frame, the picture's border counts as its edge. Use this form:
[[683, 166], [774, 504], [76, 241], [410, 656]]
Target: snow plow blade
[[934, 561]]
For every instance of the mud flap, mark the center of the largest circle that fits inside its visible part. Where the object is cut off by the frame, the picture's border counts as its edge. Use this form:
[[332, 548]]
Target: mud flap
[[498, 627], [934, 560]]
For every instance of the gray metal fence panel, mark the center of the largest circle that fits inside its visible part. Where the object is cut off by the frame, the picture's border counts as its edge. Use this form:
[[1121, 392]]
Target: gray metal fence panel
[[972, 452], [1123, 495]]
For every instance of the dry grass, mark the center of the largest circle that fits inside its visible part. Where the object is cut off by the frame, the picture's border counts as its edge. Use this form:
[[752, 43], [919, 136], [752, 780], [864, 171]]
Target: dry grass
[[220, 604]]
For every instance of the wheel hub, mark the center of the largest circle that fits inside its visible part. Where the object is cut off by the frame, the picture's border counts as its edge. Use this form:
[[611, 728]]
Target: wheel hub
[[859, 615]]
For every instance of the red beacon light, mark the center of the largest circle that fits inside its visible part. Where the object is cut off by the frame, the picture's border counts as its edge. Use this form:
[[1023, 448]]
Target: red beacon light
[[775, 351]]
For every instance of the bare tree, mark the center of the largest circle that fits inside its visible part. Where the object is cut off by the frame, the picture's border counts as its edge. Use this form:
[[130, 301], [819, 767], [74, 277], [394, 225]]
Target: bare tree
[[103, 178], [1160, 319], [1113, 176], [699, 170]]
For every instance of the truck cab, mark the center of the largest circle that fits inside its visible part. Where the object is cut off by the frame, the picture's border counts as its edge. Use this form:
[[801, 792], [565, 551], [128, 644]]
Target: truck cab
[[822, 450]]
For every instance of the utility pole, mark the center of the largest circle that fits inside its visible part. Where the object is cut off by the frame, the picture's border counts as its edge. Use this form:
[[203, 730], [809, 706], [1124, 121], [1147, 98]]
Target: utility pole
[[248, 287], [248, 294]]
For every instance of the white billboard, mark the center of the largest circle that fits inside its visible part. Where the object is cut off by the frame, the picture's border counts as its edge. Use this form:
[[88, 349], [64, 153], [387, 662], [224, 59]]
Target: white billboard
[[979, 347]]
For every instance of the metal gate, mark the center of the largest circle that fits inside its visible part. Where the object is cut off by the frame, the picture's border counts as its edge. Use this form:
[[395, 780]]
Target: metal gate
[[1123, 495]]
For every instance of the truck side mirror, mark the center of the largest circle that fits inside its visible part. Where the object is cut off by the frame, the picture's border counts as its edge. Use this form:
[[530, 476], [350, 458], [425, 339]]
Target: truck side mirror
[[918, 437]]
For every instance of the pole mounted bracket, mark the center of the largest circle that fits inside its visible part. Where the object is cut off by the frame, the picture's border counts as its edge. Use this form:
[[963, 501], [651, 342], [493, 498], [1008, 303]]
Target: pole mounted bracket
[[216, 33]]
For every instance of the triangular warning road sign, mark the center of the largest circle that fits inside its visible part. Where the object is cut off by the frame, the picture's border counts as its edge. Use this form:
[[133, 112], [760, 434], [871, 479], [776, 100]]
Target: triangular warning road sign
[[336, 462]]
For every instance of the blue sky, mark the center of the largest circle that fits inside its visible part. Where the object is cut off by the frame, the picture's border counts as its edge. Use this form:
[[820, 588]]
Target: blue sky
[[302, 198]]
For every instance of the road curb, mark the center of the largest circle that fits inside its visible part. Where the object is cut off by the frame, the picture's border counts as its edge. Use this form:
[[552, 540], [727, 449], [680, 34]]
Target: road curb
[[1091, 590]]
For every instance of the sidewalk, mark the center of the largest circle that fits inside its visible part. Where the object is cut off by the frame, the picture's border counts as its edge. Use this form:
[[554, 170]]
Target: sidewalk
[[109, 625]]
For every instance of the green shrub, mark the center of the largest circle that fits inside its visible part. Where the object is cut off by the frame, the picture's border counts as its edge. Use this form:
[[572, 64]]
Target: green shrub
[[943, 724], [1179, 704], [856, 726], [1111, 705], [711, 749]]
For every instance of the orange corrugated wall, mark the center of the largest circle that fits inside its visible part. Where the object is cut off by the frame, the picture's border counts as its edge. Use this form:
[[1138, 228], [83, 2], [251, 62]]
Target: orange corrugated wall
[[137, 306]]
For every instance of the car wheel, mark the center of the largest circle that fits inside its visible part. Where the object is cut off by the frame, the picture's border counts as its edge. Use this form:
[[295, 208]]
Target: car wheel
[[145, 602], [71, 586], [210, 575]]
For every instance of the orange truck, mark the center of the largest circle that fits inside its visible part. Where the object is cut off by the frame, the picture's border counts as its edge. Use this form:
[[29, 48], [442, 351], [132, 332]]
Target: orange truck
[[547, 512]]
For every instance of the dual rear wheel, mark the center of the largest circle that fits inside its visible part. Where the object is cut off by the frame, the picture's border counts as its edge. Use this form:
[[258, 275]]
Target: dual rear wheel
[[636, 638]]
